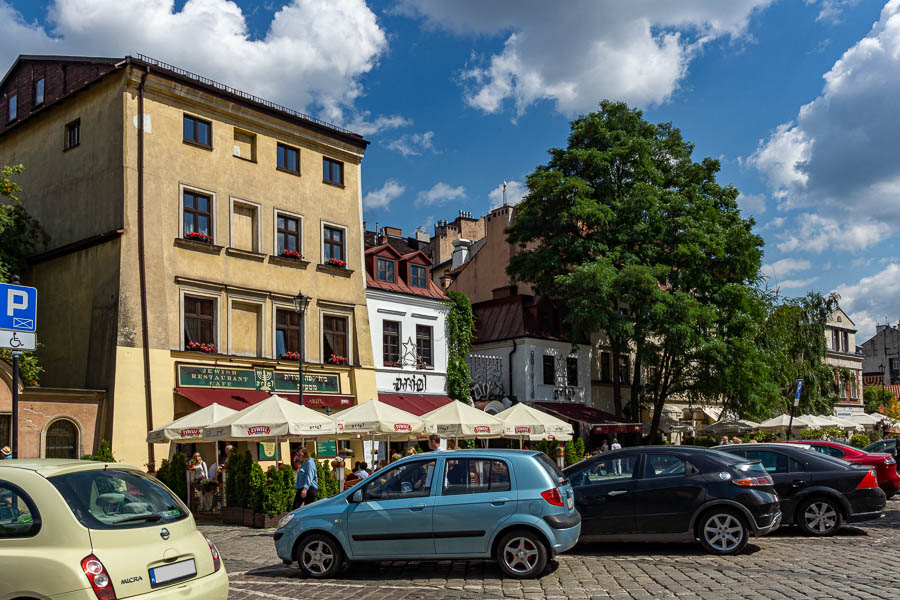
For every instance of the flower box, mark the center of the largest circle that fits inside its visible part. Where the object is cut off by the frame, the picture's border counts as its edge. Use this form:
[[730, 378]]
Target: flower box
[[290, 356], [248, 517], [333, 262], [264, 521], [291, 254], [201, 347], [199, 236], [337, 360], [233, 515]]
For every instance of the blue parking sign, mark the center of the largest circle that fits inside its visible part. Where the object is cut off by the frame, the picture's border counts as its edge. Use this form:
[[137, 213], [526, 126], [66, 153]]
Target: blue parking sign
[[18, 307]]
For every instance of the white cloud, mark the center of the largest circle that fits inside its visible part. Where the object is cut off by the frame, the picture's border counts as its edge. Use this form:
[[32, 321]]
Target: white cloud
[[754, 204], [440, 194], [873, 299], [775, 223], [304, 60], [363, 124], [382, 197], [792, 284], [515, 192], [816, 233], [839, 153], [412, 144], [785, 267], [831, 11], [577, 54]]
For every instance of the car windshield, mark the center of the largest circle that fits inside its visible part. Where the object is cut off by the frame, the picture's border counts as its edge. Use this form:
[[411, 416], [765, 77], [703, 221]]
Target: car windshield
[[118, 499]]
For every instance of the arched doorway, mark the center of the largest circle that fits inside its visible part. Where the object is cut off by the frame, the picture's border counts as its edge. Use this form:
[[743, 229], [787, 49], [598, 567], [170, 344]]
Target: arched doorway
[[62, 440]]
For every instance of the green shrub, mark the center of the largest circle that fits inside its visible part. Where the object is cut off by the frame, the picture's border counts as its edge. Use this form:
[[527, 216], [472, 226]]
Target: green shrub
[[707, 441], [256, 481], [579, 447], [860, 440], [327, 482], [162, 473], [176, 476], [104, 453], [570, 457], [237, 486]]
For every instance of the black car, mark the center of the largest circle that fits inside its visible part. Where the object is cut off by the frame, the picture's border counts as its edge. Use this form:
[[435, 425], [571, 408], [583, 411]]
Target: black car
[[674, 493], [818, 493]]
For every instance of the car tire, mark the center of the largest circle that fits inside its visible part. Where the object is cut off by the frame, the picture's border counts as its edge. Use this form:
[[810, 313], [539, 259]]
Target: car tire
[[819, 516], [521, 554], [319, 556], [722, 531]]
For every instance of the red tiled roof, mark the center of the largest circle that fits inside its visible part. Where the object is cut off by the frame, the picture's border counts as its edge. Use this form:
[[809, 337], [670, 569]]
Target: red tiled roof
[[399, 285], [893, 389], [417, 404], [517, 316]]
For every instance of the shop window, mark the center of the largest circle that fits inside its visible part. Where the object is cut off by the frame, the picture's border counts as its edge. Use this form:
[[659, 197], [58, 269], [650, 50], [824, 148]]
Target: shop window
[[549, 369], [423, 345], [571, 371], [385, 269], [334, 337], [73, 134], [332, 171], [199, 321], [417, 276], [197, 131], [244, 144], [61, 440], [334, 243], [288, 159], [287, 233], [244, 226], [287, 331], [391, 335]]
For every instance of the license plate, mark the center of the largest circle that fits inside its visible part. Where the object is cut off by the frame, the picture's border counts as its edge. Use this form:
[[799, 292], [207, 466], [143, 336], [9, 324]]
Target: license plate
[[571, 502], [180, 570]]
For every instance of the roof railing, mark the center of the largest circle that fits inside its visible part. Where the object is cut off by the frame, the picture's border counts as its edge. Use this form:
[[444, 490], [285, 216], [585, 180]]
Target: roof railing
[[246, 96]]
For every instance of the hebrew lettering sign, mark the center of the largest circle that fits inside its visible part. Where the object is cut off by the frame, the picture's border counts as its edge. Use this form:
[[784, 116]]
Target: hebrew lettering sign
[[263, 380]]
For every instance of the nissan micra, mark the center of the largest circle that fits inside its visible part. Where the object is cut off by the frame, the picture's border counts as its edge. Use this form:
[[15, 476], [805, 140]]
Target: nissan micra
[[510, 505], [73, 530]]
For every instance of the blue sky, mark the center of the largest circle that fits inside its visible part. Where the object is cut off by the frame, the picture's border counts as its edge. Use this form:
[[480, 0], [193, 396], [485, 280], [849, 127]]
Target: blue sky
[[798, 98]]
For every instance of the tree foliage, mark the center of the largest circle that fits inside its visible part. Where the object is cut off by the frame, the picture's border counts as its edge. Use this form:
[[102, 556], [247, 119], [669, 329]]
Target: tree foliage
[[104, 453], [875, 397], [892, 411], [460, 330], [644, 245]]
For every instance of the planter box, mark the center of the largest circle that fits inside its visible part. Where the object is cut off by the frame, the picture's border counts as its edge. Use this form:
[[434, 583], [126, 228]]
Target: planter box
[[233, 515], [264, 521], [248, 517]]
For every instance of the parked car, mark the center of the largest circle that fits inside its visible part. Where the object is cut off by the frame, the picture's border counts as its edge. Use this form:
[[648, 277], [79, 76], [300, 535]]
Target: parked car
[[818, 493], [78, 529], [510, 505], [888, 446], [885, 464], [674, 493]]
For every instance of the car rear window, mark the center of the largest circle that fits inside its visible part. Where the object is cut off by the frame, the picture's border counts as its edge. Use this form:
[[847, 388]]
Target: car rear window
[[752, 469], [551, 468], [118, 499]]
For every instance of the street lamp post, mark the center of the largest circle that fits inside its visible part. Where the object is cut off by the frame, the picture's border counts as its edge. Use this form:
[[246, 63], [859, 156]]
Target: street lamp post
[[301, 302]]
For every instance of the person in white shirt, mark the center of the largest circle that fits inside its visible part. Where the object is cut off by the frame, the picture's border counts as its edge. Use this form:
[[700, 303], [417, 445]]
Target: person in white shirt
[[615, 445], [363, 472]]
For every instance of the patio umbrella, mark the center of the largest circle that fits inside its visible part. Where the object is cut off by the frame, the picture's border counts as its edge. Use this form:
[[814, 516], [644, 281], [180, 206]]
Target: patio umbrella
[[781, 422], [738, 425], [272, 418], [866, 419], [817, 422], [525, 422], [847, 424], [458, 420], [377, 419], [189, 427]]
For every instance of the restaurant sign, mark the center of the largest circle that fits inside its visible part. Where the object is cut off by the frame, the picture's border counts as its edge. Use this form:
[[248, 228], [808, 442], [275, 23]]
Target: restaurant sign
[[263, 380]]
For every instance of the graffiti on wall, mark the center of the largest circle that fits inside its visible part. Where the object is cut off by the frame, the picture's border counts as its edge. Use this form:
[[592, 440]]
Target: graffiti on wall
[[487, 376]]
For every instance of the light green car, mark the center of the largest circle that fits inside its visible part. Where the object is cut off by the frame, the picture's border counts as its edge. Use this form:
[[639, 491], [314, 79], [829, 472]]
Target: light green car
[[74, 529]]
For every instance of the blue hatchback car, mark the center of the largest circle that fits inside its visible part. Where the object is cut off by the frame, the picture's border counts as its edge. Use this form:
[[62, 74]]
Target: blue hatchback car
[[510, 505]]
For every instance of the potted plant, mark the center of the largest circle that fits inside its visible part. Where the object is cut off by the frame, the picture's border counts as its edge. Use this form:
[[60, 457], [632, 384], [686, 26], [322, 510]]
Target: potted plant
[[201, 347], [396, 456], [337, 463], [335, 262], [337, 360], [291, 254], [199, 236], [290, 356]]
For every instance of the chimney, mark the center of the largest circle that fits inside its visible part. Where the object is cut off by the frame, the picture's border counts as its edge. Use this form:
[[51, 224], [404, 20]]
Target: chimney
[[394, 231], [880, 328], [422, 236], [460, 252]]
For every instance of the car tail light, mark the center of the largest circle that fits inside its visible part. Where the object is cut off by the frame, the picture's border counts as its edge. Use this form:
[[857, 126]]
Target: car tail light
[[217, 560], [553, 497], [869, 481], [754, 481], [98, 577]]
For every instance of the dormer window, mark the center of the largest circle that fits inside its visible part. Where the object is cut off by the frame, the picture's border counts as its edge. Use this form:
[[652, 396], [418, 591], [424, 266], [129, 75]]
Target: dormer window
[[385, 270], [417, 276]]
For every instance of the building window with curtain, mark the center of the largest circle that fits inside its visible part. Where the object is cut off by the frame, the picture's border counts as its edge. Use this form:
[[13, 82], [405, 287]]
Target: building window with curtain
[[423, 345], [391, 338], [334, 338], [199, 322], [287, 334]]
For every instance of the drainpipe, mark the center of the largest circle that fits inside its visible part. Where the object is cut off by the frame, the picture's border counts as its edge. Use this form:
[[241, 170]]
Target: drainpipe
[[142, 266], [513, 351]]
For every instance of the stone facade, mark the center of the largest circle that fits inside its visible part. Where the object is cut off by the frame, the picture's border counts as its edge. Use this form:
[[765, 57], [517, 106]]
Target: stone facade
[[842, 352], [881, 356]]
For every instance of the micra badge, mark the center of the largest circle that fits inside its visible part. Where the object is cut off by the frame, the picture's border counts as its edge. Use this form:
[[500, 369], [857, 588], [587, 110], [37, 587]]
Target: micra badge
[[134, 579], [164, 533]]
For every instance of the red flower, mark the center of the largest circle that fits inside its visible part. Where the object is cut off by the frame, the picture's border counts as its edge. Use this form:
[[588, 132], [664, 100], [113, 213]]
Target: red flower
[[292, 254], [337, 263], [199, 236]]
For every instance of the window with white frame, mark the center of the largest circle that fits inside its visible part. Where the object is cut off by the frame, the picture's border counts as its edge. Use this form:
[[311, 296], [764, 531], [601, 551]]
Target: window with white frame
[[287, 332], [288, 234], [334, 244], [198, 214], [199, 323]]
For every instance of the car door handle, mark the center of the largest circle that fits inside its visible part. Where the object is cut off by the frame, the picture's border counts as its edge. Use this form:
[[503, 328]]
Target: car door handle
[[499, 501], [617, 492], [799, 483], [417, 507]]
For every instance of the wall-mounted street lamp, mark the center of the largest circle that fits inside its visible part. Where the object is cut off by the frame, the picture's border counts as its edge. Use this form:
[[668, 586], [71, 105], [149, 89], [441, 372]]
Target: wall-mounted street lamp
[[301, 303]]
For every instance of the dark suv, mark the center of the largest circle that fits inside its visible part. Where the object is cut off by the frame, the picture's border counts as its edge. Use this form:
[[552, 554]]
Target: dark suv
[[674, 493]]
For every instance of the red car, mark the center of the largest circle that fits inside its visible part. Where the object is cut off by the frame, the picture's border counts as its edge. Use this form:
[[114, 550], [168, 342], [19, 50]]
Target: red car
[[885, 465]]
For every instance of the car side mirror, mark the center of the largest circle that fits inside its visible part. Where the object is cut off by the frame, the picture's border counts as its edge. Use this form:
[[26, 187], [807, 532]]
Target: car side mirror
[[357, 497]]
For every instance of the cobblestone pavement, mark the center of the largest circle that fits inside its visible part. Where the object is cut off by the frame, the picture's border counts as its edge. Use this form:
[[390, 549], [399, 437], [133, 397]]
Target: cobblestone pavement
[[859, 562]]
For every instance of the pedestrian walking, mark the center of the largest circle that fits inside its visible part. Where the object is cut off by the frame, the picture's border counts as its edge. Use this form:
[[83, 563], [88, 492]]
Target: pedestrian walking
[[307, 480], [615, 444]]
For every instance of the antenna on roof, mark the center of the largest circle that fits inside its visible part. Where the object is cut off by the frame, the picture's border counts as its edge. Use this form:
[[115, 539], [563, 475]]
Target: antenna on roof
[[504, 193]]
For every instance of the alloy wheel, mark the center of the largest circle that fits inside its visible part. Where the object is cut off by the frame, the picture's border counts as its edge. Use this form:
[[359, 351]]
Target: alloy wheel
[[317, 557], [521, 555], [723, 532], [820, 516]]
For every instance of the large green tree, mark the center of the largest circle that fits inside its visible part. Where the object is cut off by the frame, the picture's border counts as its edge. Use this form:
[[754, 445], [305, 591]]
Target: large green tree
[[460, 330], [645, 247]]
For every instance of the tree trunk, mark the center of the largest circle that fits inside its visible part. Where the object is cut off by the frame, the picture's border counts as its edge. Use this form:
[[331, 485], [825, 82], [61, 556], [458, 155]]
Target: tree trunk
[[657, 413], [636, 388], [617, 387]]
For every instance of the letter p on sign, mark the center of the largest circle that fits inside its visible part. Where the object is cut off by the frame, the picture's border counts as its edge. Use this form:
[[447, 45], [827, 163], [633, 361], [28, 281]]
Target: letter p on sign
[[15, 300]]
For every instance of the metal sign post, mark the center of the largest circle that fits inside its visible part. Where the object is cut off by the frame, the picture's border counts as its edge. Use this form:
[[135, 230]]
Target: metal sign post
[[794, 406], [18, 322]]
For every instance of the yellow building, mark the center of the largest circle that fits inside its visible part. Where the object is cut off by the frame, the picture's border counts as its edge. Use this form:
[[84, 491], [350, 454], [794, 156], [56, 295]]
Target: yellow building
[[173, 203]]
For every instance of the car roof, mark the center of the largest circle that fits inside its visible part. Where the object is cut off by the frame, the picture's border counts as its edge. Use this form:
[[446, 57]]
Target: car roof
[[48, 467], [478, 453], [767, 446]]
